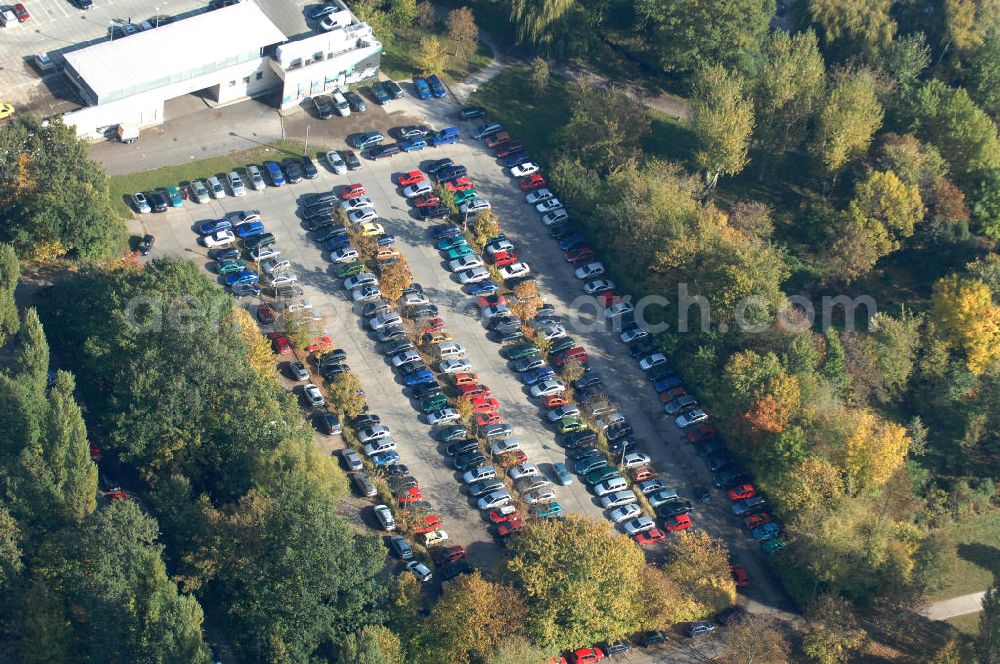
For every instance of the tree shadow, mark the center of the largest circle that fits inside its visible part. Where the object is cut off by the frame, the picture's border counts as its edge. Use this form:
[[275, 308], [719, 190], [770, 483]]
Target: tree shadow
[[984, 555], [912, 636]]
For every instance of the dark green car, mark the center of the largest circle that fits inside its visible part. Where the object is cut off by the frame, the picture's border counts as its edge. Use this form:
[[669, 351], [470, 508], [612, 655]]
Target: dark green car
[[521, 351], [436, 402], [349, 270], [561, 344], [601, 475]]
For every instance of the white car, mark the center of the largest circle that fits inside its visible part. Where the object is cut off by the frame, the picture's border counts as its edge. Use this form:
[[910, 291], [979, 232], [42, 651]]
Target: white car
[[526, 168], [369, 434], [549, 206], [496, 310], [474, 276], [363, 279], [141, 204], [539, 496], [378, 446], [282, 279], [215, 188], [493, 500], [635, 460], [364, 215], [523, 470], [618, 309], [552, 332], [498, 447], [495, 247], [384, 516], [219, 239], [628, 336], [274, 264], [435, 537], [598, 286], [454, 366], [418, 189], [589, 270], [256, 179], [624, 513], [514, 270], [443, 416], [526, 484], [650, 361], [479, 473], [555, 217], [420, 570], [385, 320], [262, 253], [296, 307], [618, 498], [657, 498], [450, 350], [336, 162], [465, 263], [359, 203], [236, 184], [366, 293], [639, 525], [405, 357], [539, 195], [344, 255], [561, 412], [414, 298], [547, 388], [313, 395], [474, 206], [693, 417]]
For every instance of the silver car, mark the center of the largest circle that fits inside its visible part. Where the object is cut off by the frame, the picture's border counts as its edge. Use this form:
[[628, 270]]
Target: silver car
[[215, 188], [236, 184], [336, 162], [256, 179]]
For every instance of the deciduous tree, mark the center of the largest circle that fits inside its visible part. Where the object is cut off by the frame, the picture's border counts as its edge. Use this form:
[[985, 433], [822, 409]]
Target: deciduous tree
[[431, 56], [463, 31], [853, 27], [832, 631], [394, 279], [259, 351], [723, 119], [345, 392], [756, 639], [964, 311], [426, 16], [699, 564], [10, 273], [889, 207], [538, 75], [847, 120], [907, 57], [550, 27], [605, 129], [988, 641]]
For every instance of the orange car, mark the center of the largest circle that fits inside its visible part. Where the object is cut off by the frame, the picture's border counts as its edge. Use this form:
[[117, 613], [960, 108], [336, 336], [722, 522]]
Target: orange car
[[496, 139], [672, 393], [465, 378], [554, 401], [319, 343], [458, 184], [642, 474]]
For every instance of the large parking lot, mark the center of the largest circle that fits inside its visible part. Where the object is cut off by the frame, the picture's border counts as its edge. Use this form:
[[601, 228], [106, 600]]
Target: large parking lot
[[673, 458], [58, 26]]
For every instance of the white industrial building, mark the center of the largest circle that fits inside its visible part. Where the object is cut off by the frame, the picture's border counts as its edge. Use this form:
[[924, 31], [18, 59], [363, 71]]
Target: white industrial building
[[227, 54]]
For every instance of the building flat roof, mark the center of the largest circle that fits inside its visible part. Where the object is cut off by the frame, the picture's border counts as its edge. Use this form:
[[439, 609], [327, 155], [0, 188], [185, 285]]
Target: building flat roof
[[184, 44]]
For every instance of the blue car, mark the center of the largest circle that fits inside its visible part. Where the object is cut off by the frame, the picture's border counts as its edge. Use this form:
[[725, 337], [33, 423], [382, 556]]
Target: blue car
[[667, 383], [517, 158], [573, 240], [445, 230], [446, 243], [537, 375], [384, 458], [337, 242], [766, 532], [244, 277], [209, 227], [413, 144], [385, 240], [420, 377], [437, 87], [563, 478], [274, 171], [423, 90], [251, 229], [483, 288]]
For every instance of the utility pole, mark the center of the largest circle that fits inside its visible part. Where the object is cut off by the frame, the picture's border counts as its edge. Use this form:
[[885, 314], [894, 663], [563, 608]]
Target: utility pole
[[305, 148]]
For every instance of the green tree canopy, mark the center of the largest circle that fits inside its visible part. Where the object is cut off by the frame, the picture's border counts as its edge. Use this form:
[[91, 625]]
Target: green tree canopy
[[847, 120], [853, 27], [723, 119]]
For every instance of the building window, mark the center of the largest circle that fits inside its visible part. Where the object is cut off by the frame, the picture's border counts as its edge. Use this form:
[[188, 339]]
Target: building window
[[260, 75], [232, 84], [295, 64], [318, 56], [246, 79]]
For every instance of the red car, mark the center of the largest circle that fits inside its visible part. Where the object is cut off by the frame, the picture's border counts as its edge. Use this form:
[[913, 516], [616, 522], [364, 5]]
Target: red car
[[742, 491], [510, 527], [508, 459], [410, 494], [472, 391], [509, 148], [740, 576], [672, 393], [443, 555], [412, 177], [458, 184], [586, 656], [319, 343], [502, 258], [491, 300], [116, 493], [465, 378], [650, 537], [486, 419], [751, 521], [642, 474], [555, 401], [427, 200], [434, 325], [496, 139], [95, 453], [429, 524], [502, 514], [609, 298], [21, 13], [485, 405], [580, 254], [701, 433], [280, 345], [264, 314], [352, 191], [578, 354], [533, 181], [679, 522]]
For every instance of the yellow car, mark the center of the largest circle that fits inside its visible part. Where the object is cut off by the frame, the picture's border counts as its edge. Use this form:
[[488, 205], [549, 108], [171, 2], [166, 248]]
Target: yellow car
[[6, 110], [371, 229]]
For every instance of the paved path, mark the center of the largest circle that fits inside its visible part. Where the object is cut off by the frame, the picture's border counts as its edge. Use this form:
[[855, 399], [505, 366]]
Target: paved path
[[956, 606]]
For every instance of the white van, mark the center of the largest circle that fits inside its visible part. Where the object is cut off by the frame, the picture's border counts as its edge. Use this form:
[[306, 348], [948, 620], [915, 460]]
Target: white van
[[450, 351], [340, 103]]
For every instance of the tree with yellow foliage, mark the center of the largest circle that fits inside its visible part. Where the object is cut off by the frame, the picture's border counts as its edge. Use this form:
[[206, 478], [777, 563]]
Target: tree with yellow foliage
[[700, 566], [890, 205], [963, 309], [871, 450], [258, 348]]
